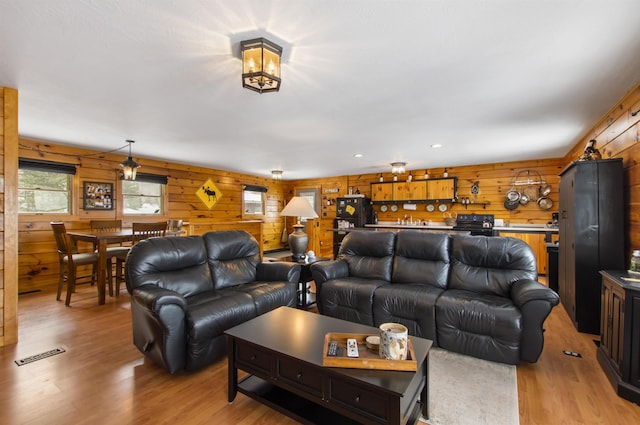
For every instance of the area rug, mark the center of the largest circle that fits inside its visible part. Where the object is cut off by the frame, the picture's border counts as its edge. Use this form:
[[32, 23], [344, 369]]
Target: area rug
[[465, 390]]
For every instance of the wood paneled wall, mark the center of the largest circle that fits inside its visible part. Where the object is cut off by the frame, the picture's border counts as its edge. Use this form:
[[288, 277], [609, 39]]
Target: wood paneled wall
[[618, 136], [8, 216], [38, 262]]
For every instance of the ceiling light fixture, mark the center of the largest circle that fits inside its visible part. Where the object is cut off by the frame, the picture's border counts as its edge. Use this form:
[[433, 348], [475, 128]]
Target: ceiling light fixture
[[436, 145], [398, 168], [276, 175], [129, 166], [261, 65]]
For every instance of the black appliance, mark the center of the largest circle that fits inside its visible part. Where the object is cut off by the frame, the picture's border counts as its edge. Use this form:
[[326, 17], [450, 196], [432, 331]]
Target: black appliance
[[351, 212], [476, 224]]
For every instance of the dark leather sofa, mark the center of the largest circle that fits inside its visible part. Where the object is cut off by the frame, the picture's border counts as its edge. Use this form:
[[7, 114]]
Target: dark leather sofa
[[186, 291], [474, 295]]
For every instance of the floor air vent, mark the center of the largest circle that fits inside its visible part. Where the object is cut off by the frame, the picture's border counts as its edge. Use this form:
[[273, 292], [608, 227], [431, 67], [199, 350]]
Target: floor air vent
[[40, 356]]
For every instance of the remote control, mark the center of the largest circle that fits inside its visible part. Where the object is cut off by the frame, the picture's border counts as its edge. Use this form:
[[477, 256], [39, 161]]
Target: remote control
[[352, 348], [333, 349]]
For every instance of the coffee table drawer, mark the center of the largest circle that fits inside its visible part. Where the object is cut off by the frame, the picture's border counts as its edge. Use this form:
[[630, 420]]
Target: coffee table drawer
[[355, 398], [302, 375], [255, 360]]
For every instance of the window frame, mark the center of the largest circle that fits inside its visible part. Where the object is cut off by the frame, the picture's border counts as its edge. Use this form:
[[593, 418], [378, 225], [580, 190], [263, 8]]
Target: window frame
[[27, 164], [161, 180], [263, 194]]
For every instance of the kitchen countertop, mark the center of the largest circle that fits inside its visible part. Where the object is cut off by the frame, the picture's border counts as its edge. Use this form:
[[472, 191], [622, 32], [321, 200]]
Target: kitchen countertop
[[516, 228]]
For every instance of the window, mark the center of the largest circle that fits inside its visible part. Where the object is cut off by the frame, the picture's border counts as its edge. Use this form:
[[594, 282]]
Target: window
[[44, 187], [313, 196], [144, 195], [253, 201]]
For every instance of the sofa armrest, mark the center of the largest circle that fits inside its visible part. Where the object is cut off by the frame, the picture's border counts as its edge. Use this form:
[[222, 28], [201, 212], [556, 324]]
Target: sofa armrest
[[327, 270], [526, 290], [535, 302], [270, 271], [154, 297]]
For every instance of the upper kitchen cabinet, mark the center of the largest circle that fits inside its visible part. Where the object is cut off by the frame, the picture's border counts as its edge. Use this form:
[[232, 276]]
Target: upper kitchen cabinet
[[382, 192], [408, 191], [442, 189]]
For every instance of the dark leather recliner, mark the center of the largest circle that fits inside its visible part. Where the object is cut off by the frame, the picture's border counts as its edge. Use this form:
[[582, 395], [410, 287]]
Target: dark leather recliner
[[186, 291], [474, 295]]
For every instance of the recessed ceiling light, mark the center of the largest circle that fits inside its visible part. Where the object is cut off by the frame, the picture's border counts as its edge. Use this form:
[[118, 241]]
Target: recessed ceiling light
[[358, 155], [436, 145]]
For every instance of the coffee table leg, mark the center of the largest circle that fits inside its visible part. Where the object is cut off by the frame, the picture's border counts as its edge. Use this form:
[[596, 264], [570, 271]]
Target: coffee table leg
[[232, 370]]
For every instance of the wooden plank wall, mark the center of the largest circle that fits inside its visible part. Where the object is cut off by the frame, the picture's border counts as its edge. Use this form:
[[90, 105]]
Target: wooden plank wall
[[8, 216], [38, 266], [618, 136]]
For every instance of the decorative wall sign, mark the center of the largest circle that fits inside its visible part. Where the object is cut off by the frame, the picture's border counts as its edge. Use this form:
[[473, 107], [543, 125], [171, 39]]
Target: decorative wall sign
[[97, 195], [209, 194]]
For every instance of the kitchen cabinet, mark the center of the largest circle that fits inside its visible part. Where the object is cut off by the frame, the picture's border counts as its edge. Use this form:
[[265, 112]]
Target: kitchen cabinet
[[382, 192], [591, 236], [408, 191], [445, 188], [619, 350], [437, 189]]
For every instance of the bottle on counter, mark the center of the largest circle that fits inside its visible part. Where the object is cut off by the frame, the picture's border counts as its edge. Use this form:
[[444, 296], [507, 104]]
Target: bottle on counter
[[634, 264]]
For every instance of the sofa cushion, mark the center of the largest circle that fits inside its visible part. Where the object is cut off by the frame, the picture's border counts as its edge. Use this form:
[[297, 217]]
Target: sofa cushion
[[484, 326], [490, 265], [350, 298], [233, 256], [368, 254], [208, 316], [268, 296], [175, 263], [421, 257], [412, 304]]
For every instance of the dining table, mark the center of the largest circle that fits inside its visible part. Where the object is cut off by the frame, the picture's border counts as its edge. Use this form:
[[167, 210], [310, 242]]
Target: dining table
[[100, 240]]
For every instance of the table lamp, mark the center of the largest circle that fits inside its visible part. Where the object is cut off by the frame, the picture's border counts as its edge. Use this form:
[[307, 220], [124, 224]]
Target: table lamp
[[298, 239]]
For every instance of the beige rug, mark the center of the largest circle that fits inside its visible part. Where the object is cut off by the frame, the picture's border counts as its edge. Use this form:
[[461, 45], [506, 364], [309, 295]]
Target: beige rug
[[465, 390]]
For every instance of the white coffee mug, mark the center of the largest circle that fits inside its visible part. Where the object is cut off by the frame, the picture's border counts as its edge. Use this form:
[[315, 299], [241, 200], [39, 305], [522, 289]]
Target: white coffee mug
[[393, 341]]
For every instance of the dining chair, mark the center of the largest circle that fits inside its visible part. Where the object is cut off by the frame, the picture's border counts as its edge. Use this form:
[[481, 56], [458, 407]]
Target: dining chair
[[174, 227], [119, 253], [143, 231], [70, 259]]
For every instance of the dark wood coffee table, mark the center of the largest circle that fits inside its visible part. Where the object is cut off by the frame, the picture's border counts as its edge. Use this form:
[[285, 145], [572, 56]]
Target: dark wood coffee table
[[282, 350]]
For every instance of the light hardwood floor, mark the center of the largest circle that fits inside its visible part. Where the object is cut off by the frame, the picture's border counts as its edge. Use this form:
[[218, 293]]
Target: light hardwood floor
[[103, 379]]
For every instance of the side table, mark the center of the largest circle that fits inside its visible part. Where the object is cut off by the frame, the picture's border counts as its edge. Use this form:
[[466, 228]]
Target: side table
[[306, 298]]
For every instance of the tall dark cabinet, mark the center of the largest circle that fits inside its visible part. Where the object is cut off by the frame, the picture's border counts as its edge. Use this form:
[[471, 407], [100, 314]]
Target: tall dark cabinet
[[591, 236]]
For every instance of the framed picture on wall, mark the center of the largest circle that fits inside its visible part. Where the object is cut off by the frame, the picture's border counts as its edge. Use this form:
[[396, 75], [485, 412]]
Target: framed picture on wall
[[98, 195]]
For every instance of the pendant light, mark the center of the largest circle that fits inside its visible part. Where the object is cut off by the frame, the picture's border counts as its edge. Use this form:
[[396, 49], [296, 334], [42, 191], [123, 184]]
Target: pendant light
[[129, 166]]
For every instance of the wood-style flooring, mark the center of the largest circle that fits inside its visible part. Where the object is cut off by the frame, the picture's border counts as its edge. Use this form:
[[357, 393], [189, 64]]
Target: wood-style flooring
[[103, 379]]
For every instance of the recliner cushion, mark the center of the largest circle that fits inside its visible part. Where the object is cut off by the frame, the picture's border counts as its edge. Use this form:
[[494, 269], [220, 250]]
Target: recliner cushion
[[421, 257], [350, 298], [489, 265], [484, 326], [411, 304], [175, 263], [368, 254], [269, 295], [233, 256]]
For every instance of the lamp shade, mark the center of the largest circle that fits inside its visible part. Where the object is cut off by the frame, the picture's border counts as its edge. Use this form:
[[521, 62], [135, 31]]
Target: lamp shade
[[298, 240], [299, 207]]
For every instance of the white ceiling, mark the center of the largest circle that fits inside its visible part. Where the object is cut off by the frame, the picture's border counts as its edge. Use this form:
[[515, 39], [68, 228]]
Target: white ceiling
[[492, 81]]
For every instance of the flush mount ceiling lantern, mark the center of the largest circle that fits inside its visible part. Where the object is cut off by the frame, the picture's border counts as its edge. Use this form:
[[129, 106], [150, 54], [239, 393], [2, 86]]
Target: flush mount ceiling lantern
[[398, 168], [129, 166], [276, 175], [261, 65]]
